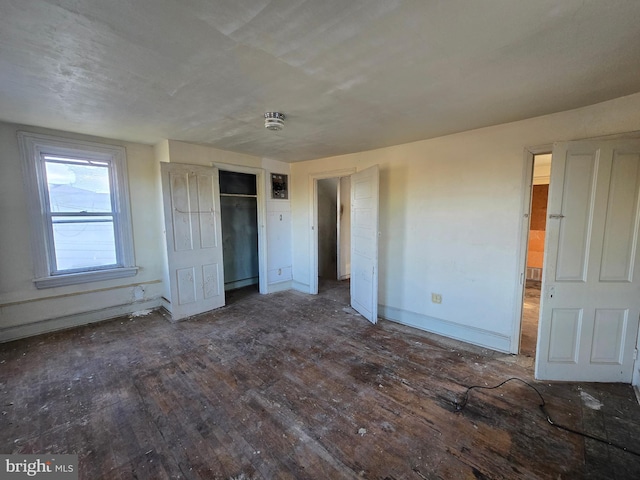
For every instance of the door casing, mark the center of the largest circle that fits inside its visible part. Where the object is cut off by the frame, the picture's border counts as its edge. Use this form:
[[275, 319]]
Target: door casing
[[261, 179], [525, 220]]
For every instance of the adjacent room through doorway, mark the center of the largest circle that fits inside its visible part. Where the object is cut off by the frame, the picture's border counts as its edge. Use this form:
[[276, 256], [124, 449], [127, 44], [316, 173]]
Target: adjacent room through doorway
[[327, 229], [535, 254], [334, 230]]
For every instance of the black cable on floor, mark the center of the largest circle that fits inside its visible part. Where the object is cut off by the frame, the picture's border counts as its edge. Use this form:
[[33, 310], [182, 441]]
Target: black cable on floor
[[462, 404]]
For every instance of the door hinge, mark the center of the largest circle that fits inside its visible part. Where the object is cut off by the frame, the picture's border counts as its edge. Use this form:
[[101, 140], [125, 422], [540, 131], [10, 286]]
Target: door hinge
[[635, 353]]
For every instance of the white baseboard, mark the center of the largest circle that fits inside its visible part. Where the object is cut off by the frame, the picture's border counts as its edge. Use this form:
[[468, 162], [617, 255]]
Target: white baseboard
[[301, 287], [241, 283], [279, 287], [62, 323], [465, 333]]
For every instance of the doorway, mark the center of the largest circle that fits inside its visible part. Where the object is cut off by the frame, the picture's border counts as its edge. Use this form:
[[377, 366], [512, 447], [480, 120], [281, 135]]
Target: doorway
[[239, 222], [334, 230], [535, 254], [363, 236]]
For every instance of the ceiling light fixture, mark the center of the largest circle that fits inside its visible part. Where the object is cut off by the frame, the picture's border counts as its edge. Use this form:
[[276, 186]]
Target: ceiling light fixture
[[274, 121]]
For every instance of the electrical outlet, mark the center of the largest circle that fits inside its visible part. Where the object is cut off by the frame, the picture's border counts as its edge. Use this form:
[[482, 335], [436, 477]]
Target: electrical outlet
[[436, 298]]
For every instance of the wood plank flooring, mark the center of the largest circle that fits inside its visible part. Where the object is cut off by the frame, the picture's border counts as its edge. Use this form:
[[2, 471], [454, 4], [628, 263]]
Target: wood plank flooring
[[530, 316], [292, 386]]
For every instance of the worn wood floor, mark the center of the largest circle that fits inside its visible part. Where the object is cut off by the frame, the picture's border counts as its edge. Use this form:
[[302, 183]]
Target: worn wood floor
[[530, 316], [294, 386]]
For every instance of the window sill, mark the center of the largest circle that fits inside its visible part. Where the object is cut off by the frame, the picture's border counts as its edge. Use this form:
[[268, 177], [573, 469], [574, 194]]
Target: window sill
[[84, 277]]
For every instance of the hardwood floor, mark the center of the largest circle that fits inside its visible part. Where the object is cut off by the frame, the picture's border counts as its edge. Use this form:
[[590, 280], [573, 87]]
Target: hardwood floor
[[530, 315], [294, 386]]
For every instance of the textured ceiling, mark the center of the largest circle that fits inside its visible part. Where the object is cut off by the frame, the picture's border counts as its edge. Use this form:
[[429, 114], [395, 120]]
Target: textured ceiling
[[350, 75]]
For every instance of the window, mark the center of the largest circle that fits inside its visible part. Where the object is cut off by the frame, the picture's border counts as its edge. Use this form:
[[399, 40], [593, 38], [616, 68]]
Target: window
[[79, 205]]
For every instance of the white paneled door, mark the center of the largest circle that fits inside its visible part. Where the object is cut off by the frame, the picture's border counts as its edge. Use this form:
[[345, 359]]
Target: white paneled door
[[590, 301], [194, 238], [364, 242]]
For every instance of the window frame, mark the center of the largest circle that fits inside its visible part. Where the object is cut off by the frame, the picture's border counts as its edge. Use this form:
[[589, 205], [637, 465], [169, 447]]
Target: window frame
[[33, 147]]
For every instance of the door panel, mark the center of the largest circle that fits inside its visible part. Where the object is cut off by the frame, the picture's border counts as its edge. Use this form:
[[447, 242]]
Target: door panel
[[194, 245], [206, 203], [364, 242], [186, 278], [590, 304], [608, 332], [211, 276], [621, 230], [179, 208], [565, 324], [574, 231]]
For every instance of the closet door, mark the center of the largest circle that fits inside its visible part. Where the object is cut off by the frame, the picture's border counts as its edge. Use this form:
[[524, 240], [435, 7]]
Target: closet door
[[193, 235]]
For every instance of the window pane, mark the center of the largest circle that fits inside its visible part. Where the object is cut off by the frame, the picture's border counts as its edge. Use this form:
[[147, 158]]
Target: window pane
[[78, 188], [84, 242]]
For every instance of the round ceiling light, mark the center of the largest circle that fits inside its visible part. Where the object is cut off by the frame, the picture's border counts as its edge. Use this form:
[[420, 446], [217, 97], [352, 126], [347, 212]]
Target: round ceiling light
[[274, 121]]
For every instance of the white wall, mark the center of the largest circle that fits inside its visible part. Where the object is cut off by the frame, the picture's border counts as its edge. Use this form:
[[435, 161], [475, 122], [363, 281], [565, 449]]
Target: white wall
[[25, 310], [279, 236], [193, 154], [280, 269], [542, 169], [451, 220]]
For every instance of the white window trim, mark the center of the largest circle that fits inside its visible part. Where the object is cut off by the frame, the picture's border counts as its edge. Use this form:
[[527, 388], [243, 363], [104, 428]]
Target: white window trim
[[31, 147]]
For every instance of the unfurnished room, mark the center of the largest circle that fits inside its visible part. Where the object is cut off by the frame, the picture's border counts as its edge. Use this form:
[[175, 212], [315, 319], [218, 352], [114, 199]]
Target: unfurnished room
[[319, 239]]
